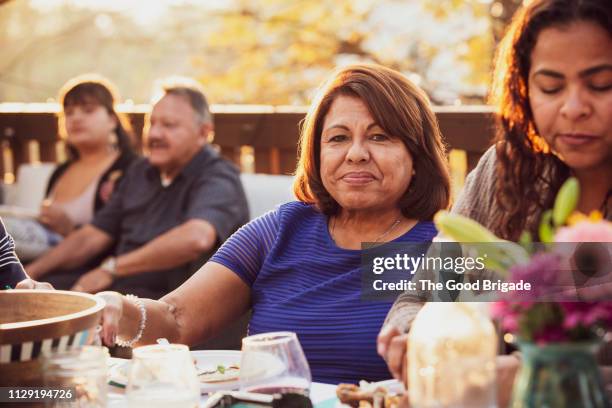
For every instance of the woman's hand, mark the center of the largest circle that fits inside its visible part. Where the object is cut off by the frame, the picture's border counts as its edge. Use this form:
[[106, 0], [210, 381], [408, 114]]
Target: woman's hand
[[111, 316], [55, 218], [392, 346], [32, 284]]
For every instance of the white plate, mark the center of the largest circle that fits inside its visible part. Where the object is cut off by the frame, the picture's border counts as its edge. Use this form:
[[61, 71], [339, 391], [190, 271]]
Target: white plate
[[206, 360]]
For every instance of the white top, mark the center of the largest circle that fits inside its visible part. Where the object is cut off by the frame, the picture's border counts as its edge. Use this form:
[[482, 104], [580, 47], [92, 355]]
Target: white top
[[81, 209]]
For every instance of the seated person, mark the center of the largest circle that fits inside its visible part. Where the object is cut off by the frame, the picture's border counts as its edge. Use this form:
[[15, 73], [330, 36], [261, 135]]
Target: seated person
[[99, 150], [560, 127], [11, 271], [372, 168], [172, 208]]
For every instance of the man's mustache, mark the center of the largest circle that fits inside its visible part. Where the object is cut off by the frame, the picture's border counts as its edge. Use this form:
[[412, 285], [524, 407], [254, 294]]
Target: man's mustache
[[152, 143]]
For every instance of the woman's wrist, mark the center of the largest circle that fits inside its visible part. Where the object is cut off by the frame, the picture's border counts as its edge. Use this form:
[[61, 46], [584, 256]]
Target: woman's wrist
[[133, 321]]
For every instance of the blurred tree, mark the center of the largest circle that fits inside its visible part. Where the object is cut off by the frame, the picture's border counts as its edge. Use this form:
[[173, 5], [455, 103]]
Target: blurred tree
[[480, 49], [276, 52], [43, 45], [249, 51], [501, 13]]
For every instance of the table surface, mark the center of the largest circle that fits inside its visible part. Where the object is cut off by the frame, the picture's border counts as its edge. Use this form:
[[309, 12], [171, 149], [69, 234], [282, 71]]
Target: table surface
[[322, 395]]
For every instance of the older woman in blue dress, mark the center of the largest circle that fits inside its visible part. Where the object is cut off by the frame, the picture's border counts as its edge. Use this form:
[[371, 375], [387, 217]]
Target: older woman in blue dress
[[372, 168]]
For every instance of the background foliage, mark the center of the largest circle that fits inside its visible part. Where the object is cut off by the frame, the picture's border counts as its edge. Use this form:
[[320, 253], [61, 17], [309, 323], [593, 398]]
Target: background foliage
[[247, 51]]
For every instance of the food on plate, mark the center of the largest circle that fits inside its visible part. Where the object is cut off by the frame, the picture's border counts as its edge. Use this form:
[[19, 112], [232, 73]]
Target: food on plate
[[219, 373], [368, 396]]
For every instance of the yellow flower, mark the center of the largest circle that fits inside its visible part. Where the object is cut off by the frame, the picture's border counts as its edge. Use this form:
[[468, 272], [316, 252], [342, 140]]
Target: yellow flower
[[576, 217]]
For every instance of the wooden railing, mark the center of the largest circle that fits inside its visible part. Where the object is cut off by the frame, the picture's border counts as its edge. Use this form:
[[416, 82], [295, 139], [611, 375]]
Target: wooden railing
[[257, 138]]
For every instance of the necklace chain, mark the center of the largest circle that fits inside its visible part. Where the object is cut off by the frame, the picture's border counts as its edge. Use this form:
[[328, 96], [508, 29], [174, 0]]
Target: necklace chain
[[380, 237], [391, 228]]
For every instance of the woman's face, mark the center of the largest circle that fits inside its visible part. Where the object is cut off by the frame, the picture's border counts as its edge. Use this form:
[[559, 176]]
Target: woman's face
[[570, 93], [88, 124], [362, 167]]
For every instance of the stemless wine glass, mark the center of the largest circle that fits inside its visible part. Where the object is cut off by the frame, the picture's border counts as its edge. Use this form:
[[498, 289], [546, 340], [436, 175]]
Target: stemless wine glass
[[163, 375], [85, 369], [274, 363]]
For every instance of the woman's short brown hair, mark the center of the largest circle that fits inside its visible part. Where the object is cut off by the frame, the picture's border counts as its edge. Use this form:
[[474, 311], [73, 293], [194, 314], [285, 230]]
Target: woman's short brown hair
[[403, 110]]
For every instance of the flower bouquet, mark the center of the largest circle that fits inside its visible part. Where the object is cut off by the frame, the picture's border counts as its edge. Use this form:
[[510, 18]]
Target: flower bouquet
[[558, 333]]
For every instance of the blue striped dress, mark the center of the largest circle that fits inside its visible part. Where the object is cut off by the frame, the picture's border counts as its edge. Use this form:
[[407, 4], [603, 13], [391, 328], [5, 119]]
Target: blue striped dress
[[302, 282]]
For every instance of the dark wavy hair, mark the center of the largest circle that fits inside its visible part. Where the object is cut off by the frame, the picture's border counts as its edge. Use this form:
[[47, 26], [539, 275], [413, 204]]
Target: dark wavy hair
[[528, 175], [92, 88], [403, 110]]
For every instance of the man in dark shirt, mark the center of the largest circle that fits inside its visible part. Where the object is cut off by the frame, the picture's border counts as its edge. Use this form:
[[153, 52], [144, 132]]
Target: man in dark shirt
[[11, 270], [170, 211]]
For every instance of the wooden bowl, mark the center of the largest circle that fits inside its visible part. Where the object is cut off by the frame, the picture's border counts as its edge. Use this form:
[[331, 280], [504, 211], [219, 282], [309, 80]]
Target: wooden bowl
[[36, 321]]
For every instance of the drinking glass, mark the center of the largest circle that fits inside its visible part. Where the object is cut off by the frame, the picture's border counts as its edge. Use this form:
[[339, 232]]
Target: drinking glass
[[163, 375], [85, 369], [274, 363]]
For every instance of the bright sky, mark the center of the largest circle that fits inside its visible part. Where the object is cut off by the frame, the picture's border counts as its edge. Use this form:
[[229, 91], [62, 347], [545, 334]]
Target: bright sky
[[144, 12]]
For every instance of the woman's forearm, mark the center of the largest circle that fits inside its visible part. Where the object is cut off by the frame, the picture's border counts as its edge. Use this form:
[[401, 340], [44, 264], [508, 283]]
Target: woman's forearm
[[402, 315]]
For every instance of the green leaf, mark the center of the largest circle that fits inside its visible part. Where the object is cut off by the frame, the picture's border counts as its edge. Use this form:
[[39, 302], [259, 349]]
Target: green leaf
[[221, 369], [566, 201], [546, 231], [526, 241]]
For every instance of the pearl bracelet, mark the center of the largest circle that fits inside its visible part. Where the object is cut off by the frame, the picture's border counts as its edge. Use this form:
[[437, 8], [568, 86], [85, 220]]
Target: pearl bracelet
[[143, 322]]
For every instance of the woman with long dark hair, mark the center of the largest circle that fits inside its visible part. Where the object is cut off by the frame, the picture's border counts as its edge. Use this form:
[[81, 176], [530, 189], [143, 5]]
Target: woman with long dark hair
[[553, 91], [99, 150]]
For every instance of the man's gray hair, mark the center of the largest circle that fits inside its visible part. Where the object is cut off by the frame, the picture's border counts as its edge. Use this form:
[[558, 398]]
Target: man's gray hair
[[191, 91]]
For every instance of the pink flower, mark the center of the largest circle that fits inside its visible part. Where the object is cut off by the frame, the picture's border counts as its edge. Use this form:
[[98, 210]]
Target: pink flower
[[499, 309], [586, 314], [511, 323], [509, 313], [585, 231], [541, 272]]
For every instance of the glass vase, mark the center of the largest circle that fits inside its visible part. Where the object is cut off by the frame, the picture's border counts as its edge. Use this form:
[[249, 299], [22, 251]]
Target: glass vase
[[451, 357], [559, 375]]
